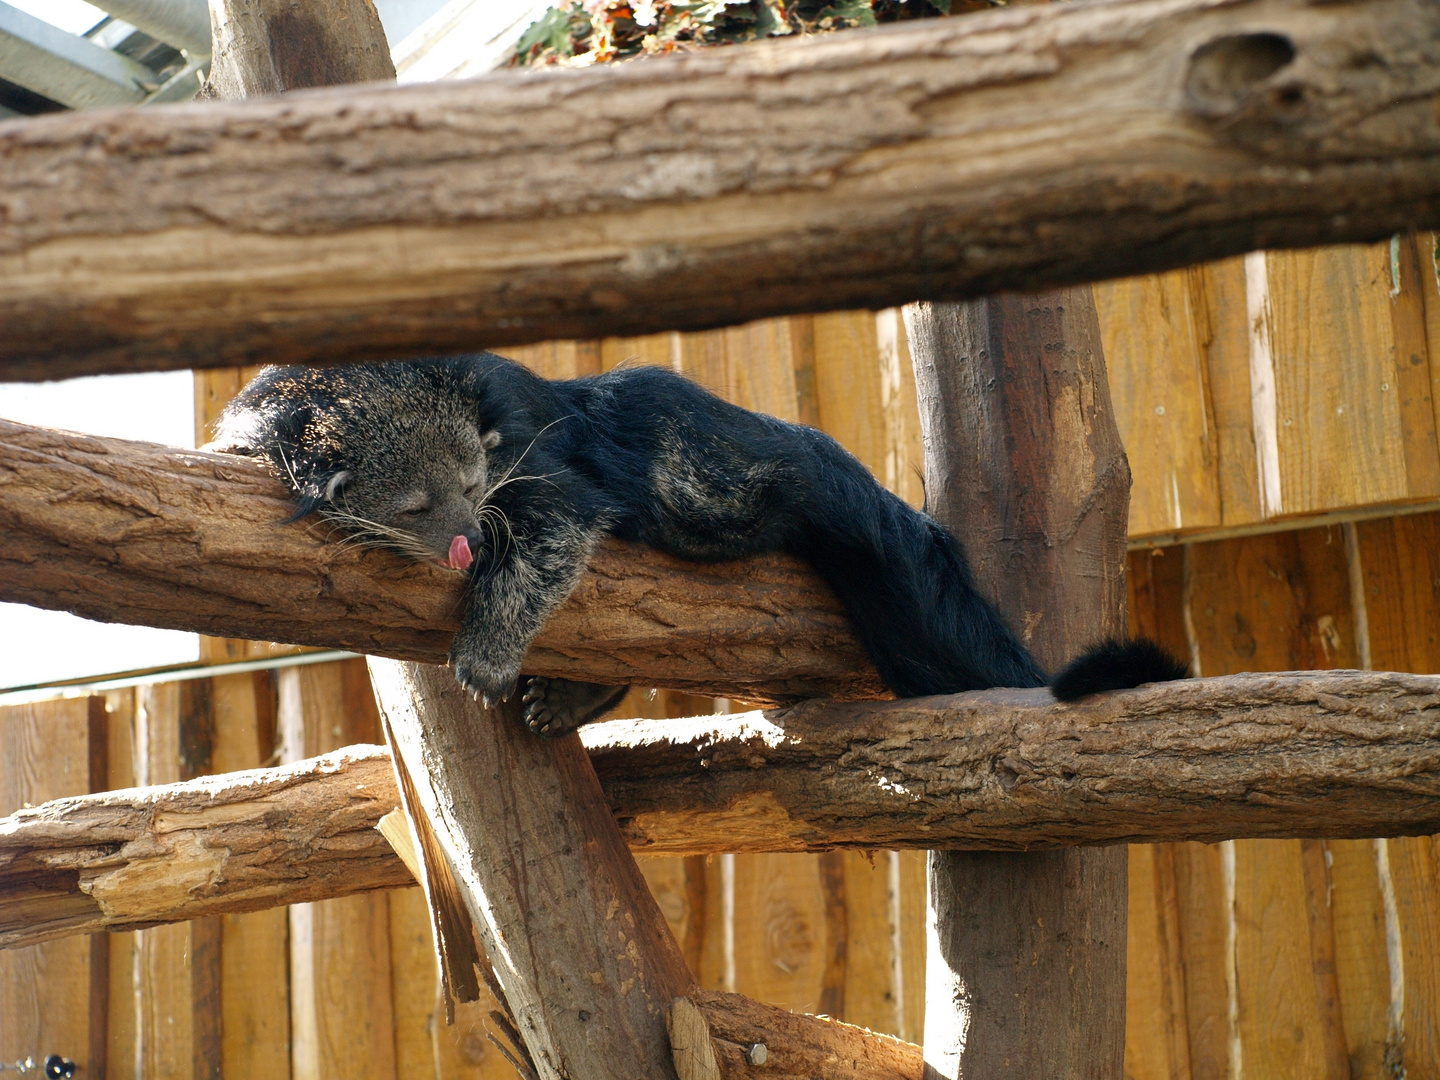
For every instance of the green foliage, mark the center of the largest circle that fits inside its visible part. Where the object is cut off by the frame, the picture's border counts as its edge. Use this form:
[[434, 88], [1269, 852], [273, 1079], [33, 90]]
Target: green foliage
[[553, 34]]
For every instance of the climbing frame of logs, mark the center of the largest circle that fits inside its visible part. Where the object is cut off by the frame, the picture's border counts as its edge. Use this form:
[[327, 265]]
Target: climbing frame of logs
[[632, 997]]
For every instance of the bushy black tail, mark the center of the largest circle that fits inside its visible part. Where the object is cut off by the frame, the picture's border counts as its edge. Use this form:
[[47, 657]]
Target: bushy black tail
[[1116, 665]]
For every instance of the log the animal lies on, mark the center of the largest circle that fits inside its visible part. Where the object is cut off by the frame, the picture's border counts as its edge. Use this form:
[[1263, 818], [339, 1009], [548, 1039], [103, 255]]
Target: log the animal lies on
[[132, 532], [1329, 754], [935, 159], [512, 479]]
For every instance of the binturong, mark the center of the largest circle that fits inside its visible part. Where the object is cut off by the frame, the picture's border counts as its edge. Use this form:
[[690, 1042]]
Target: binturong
[[511, 479]]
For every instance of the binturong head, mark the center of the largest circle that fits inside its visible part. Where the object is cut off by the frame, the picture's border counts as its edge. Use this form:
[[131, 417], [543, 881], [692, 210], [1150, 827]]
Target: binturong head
[[398, 454]]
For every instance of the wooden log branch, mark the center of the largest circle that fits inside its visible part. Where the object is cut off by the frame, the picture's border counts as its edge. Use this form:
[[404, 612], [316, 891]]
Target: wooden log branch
[[941, 159], [1023, 463], [1325, 754], [520, 850], [130, 532]]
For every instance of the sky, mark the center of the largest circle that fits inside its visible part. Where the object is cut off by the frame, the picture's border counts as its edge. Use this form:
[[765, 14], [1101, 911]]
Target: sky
[[72, 15], [42, 646]]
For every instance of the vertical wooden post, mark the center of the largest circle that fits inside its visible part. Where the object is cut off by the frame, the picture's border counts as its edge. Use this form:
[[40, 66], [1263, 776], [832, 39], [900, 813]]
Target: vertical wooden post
[[1023, 462], [270, 46]]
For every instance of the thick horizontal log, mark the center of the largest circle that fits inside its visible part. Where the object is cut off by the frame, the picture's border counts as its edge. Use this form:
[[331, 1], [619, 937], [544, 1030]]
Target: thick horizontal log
[[131, 532], [1325, 754], [1013, 149]]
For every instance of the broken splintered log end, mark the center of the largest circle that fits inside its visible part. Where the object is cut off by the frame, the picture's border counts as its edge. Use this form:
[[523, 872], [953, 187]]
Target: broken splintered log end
[[396, 829], [690, 1043]]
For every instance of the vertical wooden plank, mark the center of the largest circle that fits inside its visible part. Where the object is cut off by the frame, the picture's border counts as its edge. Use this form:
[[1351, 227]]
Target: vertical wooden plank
[[848, 385], [426, 1047], [1157, 1043], [871, 996], [751, 365], [1400, 570], [415, 985], [1336, 405], [1227, 360], [1205, 931], [673, 883], [342, 1015], [254, 947], [559, 359], [122, 1035], [1320, 919], [656, 350], [45, 990], [1283, 1021], [1361, 964], [802, 365], [1154, 333], [760, 368], [1278, 602], [1415, 869], [177, 1032], [1155, 597], [1412, 368], [1427, 267], [912, 887], [781, 944], [904, 471]]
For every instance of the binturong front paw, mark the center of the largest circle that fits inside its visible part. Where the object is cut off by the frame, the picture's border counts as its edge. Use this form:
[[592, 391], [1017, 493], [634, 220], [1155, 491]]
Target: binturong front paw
[[557, 707], [487, 679]]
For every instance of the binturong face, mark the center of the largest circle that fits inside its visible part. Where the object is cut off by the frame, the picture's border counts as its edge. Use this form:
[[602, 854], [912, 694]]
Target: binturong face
[[395, 454], [418, 487]]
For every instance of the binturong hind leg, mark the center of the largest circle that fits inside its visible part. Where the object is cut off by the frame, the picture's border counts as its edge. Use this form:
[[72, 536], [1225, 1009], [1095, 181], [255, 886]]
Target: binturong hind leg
[[558, 706]]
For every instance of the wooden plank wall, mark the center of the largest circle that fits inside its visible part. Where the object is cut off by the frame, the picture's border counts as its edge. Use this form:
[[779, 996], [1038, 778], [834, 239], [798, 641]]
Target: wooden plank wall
[[1249, 392]]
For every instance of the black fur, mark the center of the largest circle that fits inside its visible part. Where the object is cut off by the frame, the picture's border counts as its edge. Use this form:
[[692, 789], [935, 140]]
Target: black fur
[[1115, 665], [639, 453]]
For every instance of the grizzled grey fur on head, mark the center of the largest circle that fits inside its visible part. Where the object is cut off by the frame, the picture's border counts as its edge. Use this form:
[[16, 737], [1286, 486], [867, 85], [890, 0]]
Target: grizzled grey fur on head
[[475, 458]]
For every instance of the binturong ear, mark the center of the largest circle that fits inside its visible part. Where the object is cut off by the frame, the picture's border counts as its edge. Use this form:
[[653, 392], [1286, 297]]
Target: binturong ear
[[337, 484], [490, 440]]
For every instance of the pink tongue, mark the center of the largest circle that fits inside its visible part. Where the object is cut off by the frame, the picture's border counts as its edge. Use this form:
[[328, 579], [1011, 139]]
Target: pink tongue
[[460, 557]]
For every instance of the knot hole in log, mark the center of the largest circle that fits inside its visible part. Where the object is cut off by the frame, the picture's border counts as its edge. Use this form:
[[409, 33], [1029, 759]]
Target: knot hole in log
[[1227, 72]]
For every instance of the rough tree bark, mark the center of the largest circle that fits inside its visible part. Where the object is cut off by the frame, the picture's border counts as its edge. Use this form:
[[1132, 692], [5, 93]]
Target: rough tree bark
[[1010, 149], [519, 836], [1025, 974], [131, 532], [1332, 754], [520, 826], [270, 46]]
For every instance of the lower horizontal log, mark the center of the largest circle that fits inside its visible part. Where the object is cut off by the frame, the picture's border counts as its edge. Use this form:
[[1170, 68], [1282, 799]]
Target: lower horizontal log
[[748, 1038], [1327, 754]]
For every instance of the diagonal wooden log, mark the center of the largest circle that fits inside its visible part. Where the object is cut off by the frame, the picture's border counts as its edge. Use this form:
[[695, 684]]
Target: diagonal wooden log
[[1323, 754], [931, 160], [588, 967], [523, 836], [131, 532]]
